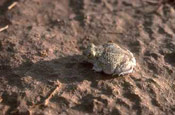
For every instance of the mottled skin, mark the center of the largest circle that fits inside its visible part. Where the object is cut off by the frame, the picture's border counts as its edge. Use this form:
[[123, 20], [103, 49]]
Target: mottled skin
[[110, 58]]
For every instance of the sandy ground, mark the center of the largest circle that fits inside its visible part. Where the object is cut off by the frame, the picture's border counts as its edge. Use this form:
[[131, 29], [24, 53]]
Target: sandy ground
[[42, 70]]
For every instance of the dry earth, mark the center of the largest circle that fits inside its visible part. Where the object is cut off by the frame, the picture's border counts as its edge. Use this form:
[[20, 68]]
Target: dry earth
[[42, 71]]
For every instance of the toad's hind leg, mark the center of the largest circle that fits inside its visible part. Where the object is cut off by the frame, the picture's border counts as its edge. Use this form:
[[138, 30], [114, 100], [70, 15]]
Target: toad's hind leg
[[123, 72], [97, 67], [126, 72]]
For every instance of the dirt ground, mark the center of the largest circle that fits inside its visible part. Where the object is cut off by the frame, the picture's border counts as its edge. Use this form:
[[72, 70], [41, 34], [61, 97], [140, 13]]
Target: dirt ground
[[43, 72]]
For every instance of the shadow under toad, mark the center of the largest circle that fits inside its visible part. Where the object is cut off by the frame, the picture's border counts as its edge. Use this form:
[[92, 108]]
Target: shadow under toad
[[66, 69]]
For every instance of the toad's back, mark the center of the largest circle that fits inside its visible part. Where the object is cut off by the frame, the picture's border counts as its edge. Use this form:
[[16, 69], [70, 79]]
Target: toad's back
[[114, 55]]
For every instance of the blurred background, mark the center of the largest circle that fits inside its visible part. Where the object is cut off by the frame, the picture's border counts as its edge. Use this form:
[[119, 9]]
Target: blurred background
[[41, 66]]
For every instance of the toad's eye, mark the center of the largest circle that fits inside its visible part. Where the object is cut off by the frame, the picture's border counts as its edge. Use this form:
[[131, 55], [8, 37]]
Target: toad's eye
[[90, 55]]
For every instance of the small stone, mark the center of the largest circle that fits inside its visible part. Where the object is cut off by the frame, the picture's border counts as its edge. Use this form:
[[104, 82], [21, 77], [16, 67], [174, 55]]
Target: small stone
[[1, 99], [43, 53]]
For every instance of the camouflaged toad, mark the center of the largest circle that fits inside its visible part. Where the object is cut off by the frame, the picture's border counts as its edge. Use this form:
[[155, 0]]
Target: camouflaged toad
[[110, 58]]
